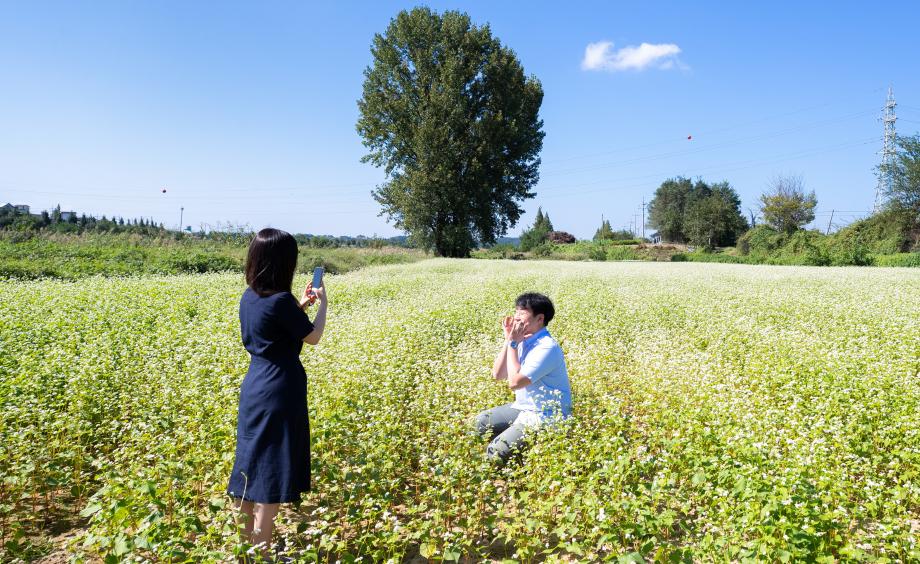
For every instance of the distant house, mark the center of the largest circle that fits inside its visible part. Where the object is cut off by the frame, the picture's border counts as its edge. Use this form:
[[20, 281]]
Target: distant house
[[18, 208], [68, 216], [655, 238]]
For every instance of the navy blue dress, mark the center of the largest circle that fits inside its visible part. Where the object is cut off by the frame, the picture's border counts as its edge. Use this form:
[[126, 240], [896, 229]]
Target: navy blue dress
[[273, 433]]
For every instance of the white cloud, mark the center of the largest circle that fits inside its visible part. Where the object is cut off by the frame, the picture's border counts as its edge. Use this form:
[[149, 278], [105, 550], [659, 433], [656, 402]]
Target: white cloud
[[601, 56]]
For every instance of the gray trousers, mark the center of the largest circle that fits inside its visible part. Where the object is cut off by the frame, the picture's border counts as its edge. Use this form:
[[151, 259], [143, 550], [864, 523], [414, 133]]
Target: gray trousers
[[498, 424]]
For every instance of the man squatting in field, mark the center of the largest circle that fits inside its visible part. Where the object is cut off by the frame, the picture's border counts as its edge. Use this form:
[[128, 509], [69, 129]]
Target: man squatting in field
[[532, 363]]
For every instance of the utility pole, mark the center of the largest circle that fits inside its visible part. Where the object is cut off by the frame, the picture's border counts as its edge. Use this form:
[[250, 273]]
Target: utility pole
[[830, 222], [888, 153], [643, 217], [181, 211]]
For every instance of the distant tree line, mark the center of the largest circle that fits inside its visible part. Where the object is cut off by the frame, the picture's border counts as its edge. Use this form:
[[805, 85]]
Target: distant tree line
[[54, 222], [697, 213]]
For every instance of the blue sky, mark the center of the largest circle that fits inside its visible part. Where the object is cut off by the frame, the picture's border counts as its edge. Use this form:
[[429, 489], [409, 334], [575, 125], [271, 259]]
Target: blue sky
[[246, 112]]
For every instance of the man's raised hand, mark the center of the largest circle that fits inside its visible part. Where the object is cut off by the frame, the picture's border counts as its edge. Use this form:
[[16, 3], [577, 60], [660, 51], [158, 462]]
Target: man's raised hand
[[506, 326]]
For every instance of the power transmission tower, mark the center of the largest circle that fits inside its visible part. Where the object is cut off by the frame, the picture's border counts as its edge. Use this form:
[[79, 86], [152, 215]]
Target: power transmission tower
[[888, 153]]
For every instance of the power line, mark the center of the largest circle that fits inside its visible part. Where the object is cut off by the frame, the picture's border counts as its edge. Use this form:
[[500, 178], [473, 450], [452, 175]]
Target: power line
[[706, 132], [722, 168], [728, 143]]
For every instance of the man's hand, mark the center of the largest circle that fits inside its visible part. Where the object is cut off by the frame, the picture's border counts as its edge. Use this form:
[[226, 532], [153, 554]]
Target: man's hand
[[517, 331], [506, 326]]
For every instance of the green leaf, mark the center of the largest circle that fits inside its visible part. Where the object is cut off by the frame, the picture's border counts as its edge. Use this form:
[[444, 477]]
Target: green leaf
[[427, 550], [90, 510]]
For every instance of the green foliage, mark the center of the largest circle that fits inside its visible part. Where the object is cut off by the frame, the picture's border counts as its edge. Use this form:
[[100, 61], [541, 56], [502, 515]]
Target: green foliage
[[722, 412], [74, 257], [905, 177], [666, 210], [604, 232], [714, 219], [621, 252], [449, 114], [500, 251], [760, 241], [51, 223], [542, 250], [886, 232], [702, 256], [704, 215], [786, 207], [538, 232], [899, 259], [859, 244]]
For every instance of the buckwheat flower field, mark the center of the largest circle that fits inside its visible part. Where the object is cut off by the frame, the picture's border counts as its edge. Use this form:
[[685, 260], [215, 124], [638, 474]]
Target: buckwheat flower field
[[722, 412]]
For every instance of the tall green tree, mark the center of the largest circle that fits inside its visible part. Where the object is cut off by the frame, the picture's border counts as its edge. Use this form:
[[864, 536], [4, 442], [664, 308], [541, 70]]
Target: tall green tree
[[539, 231], [684, 211], [786, 206], [713, 216], [905, 176], [604, 232], [666, 210], [450, 116]]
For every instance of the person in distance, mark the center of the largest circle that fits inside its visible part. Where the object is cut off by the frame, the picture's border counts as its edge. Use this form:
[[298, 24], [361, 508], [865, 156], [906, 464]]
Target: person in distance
[[532, 364], [272, 463]]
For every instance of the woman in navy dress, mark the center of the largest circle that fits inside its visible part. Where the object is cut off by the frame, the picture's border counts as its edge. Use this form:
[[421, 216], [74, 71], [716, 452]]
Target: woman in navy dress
[[272, 463]]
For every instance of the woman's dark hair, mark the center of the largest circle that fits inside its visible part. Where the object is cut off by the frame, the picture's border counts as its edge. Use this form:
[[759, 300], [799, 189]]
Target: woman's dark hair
[[271, 262], [537, 304]]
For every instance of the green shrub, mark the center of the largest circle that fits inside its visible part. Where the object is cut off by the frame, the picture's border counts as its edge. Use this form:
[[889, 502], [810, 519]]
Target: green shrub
[[899, 259], [884, 233], [203, 262], [542, 250], [709, 257], [622, 253], [597, 252], [76, 256], [760, 241]]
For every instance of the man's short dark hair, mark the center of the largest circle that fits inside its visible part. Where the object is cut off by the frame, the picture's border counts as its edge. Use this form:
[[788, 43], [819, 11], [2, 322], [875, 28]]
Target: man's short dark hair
[[537, 304], [271, 262]]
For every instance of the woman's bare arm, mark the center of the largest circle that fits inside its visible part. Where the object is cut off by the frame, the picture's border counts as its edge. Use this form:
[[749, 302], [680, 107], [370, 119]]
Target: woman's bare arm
[[319, 321]]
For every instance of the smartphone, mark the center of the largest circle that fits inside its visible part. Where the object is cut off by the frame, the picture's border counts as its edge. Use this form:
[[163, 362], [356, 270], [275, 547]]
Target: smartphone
[[318, 276]]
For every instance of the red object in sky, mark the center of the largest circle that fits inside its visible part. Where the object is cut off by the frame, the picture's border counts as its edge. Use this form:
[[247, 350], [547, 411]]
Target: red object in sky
[[688, 138]]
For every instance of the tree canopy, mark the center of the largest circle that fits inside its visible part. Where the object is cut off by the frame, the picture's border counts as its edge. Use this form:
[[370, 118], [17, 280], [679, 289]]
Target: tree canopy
[[786, 206], [695, 212], [604, 231], [905, 176], [450, 116], [538, 233]]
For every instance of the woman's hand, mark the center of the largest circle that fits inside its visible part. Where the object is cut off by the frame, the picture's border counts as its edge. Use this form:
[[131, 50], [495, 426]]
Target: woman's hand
[[308, 296], [319, 293], [311, 294]]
